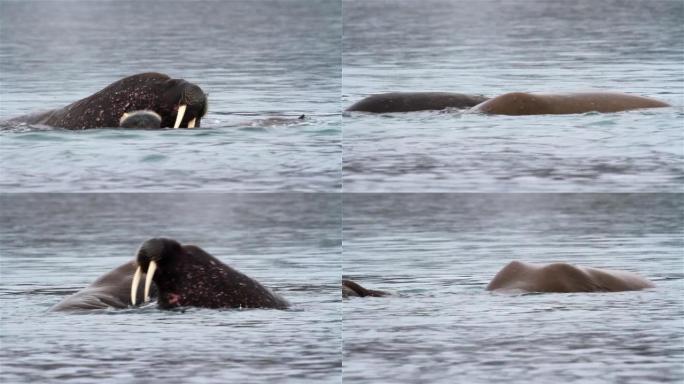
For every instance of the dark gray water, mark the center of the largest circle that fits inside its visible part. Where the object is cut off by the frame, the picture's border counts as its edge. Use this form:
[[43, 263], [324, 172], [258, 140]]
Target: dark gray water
[[437, 253], [255, 59], [492, 47], [53, 245]]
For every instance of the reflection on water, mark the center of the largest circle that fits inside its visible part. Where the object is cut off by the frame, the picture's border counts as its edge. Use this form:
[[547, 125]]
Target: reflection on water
[[437, 253], [504, 46], [255, 59], [53, 245]]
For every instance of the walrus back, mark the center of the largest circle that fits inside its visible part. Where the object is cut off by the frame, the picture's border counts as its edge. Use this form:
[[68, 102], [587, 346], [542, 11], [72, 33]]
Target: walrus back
[[414, 101], [105, 107]]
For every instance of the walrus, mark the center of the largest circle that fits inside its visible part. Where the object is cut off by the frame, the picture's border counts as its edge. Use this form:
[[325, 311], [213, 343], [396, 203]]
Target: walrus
[[353, 289], [178, 103], [140, 119], [521, 103], [415, 101], [112, 290], [563, 277], [187, 276]]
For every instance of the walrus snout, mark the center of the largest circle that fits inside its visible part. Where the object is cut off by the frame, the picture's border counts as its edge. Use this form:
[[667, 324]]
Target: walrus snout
[[197, 106], [191, 105]]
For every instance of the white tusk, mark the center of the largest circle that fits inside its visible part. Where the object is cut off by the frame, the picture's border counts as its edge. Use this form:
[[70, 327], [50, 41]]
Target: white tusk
[[148, 278], [134, 285], [191, 124], [179, 116]]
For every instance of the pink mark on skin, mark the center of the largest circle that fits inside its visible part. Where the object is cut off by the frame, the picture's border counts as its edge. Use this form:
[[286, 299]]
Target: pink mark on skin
[[173, 298]]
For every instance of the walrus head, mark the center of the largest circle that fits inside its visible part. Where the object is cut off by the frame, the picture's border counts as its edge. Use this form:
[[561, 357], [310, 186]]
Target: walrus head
[[152, 253], [184, 104]]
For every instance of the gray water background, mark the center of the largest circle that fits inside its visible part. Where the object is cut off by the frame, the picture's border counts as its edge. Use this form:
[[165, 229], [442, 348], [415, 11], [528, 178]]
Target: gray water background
[[55, 244], [437, 253], [255, 59], [491, 47]]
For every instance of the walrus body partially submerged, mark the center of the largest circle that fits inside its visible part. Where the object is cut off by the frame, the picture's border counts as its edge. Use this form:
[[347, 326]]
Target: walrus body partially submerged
[[111, 290], [414, 101], [178, 103], [177, 276], [563, 277], [353, 289], [187, 276], [521, 103]]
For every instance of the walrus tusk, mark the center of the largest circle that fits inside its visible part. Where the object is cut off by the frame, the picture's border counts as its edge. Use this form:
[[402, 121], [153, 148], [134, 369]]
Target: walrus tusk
[[148, 278], [179, 116], [191, 124], [134, 285]]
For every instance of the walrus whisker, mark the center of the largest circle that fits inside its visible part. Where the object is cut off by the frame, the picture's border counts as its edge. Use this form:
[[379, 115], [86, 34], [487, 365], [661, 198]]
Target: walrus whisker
[[134, 285], [179, 116], [148, 279]]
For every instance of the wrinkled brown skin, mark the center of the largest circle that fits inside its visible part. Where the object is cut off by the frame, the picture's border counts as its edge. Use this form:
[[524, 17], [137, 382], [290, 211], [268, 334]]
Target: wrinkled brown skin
[[112, 290], [353, 289], [415, 101], [187, 276], [520, 103], [563, 278], [145, 91]]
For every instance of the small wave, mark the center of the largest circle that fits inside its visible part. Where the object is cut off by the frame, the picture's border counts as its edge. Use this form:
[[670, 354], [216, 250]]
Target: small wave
[[153, 158]]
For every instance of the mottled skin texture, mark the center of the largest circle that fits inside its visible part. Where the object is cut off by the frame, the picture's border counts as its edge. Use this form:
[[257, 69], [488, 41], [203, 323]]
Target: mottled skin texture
[[562, 277], [353, 289], [145, 91], [520, 103], [112, 290], [188, 276], [415, 101], [140, 119]]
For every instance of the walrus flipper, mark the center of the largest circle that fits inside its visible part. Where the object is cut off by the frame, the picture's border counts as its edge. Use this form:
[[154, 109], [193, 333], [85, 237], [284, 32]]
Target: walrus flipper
[[352, 288]]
